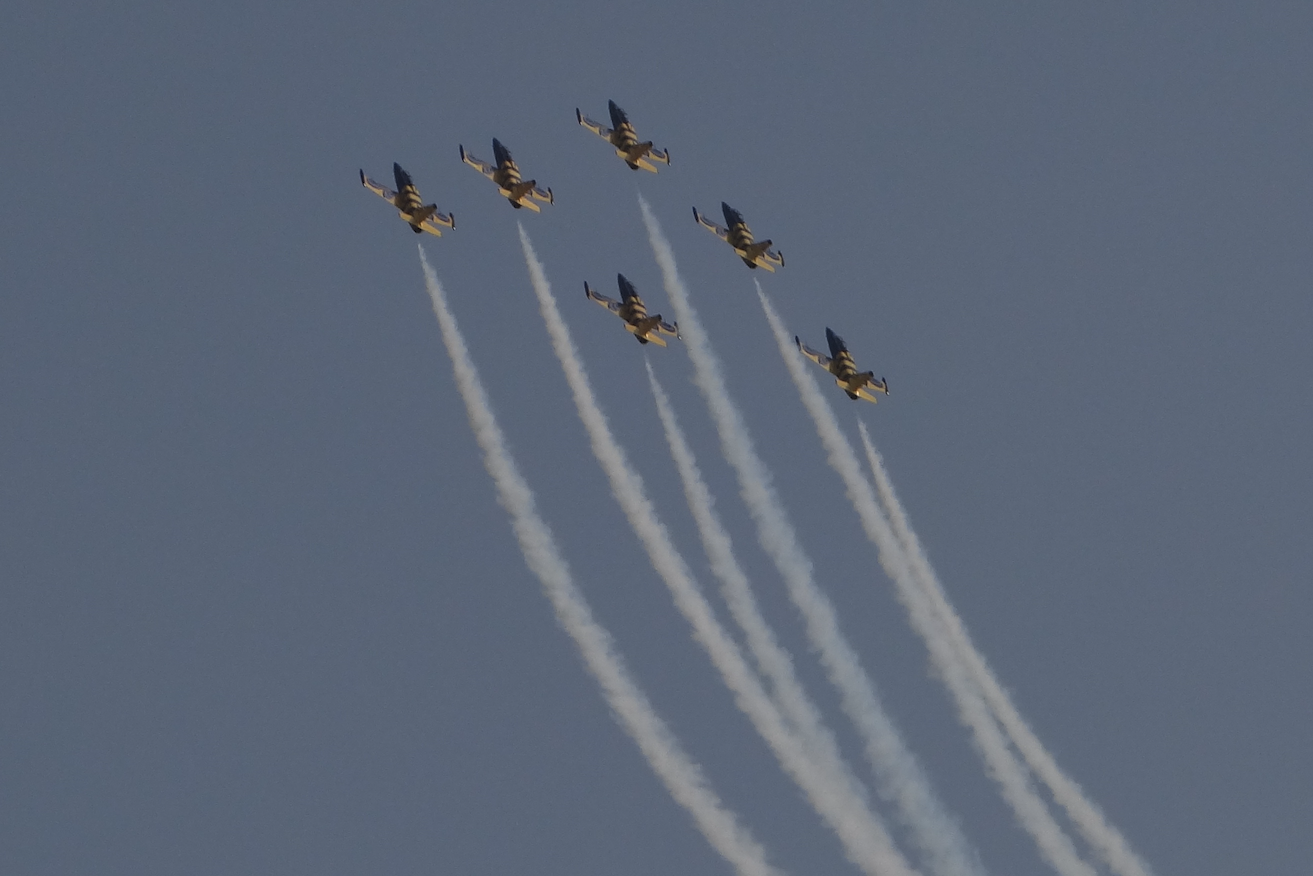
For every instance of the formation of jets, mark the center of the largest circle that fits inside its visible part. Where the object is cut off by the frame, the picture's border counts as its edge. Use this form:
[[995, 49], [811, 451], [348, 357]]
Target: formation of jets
[[638, 155]]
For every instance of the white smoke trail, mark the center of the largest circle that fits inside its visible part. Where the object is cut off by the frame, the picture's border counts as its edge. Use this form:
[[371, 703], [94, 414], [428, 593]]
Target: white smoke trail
[[837, 801], [1002, 765], [682, 777], [1105, 839], [773, 660], [899, 775]]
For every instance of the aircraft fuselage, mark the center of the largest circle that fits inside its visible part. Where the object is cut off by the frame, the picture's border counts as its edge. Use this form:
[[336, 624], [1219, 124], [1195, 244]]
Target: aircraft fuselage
[[633, 311], [508, 174], [408, 201], [623, 137], [740, 235], [844, 370]]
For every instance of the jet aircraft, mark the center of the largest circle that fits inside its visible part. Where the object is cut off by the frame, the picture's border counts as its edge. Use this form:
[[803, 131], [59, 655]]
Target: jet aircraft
[[621, 135], [521, 193], [738, 235], [648, 329], [421, 217], [840, 364]]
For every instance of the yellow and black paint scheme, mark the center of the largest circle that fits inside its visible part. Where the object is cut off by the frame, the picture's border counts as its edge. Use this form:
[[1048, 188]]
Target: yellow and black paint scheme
[[857, 384], [520, 192], [735, 232], [638, 155], [420, 216], [648, 329]]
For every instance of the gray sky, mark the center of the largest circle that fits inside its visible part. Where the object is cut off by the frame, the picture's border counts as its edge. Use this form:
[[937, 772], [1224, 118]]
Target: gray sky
[[261, 611]]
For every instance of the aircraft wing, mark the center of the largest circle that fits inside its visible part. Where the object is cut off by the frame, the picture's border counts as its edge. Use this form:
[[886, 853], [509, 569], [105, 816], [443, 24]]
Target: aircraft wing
[[544, 195], [434, 223], [382, 191], [596, 127], [609, 303], [819, 358], [661, 155], [866, 396], [763, 255], [869, 384], [719, 230], [482, 167], [669, 328]]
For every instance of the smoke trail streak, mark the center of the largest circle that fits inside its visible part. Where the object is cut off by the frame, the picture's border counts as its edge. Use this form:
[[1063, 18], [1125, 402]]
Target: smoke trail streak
[[1001, 764], [865, 841], [682, 777], [773, 660], [1106, 840], [899, 776]]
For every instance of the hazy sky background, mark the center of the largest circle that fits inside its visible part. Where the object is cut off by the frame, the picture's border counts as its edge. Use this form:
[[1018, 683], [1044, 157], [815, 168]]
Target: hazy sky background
[[260, 610]]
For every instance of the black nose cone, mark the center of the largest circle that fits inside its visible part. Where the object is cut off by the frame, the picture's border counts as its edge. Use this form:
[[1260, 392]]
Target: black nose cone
[[402, 178], [837, 345], [626, 288], [500, 152]]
